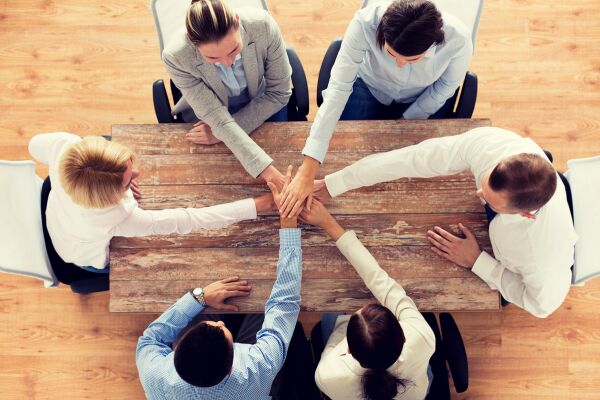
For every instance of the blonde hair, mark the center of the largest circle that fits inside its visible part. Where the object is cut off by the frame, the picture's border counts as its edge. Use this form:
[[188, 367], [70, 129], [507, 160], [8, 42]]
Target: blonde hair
[[209, 21], [91, 172]]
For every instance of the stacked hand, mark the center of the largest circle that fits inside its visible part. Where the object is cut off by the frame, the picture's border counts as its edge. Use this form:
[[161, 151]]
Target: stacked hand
[[218, 292], [290, 221]]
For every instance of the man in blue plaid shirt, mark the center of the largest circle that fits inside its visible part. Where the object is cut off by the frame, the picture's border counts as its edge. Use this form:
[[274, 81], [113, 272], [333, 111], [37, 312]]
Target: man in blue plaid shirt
[[206, 363]]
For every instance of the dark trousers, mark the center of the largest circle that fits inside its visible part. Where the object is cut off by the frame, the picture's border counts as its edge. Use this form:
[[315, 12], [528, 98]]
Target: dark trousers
[[295, 380], [362, 105]]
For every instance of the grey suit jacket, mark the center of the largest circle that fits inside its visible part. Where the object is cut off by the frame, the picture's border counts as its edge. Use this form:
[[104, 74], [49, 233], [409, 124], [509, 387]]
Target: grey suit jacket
[[268, 73]]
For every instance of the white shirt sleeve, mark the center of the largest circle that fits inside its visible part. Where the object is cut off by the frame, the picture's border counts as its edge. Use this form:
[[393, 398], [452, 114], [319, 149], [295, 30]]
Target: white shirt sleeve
[[185, 220], [339, 89], [46, 146], [540, 291], [385, 289], [433, 157]]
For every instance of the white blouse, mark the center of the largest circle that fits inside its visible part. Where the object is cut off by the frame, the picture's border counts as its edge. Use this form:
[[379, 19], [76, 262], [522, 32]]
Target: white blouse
[[82, 235], [338, 374]]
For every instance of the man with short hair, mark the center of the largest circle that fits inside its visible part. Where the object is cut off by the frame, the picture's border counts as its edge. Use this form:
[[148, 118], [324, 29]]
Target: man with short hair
[[206, 363], [532, 234]]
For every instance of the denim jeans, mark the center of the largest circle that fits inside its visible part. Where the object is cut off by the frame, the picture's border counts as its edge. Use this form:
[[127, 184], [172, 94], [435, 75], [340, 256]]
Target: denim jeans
[[106, 270], [327, 325], [362, 105]]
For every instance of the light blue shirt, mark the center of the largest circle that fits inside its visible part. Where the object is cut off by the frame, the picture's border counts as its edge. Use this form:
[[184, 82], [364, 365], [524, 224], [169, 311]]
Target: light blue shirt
[[426, 84], [234, 80], [254, 366]]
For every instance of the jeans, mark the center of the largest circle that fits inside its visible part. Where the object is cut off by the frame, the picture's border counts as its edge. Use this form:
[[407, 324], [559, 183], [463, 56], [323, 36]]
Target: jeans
[[362, 105], [106, 270], [327, 325]]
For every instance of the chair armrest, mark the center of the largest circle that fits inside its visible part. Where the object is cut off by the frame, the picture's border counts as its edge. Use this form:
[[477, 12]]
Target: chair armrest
[[326, 66], [162, 108], [468, 96], [456, 355], [299, 82]]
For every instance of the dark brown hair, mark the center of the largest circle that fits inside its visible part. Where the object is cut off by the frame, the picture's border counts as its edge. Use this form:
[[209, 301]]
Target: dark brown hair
[[203, 356], [375, 340], [528, 179], [410, 27], [209, 21]]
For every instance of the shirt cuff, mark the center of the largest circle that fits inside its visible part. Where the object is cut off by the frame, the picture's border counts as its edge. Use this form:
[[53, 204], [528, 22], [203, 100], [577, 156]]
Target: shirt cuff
[[189, 305], [256, 167], [289, 237], [315, 149], [335, 183], [484, 267], [347, 239]]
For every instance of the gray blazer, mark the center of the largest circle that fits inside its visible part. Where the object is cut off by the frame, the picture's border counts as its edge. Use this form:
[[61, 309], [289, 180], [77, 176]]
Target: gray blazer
[[268, 73]]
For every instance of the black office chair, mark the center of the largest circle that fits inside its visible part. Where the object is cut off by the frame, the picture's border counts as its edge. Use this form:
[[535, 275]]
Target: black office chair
[[449, 354], [463, 101], [80, 280], [297, 106]]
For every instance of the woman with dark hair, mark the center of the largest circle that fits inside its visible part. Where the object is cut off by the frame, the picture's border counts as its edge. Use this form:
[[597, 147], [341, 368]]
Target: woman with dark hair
[[398, 60], [233, 71], [382, 351]]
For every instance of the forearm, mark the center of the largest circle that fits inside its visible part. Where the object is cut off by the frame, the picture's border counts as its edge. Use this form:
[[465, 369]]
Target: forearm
[[261, 108], [333, 228]]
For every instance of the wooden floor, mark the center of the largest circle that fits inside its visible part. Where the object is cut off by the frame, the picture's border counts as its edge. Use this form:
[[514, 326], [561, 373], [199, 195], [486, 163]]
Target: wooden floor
[[80, 66]]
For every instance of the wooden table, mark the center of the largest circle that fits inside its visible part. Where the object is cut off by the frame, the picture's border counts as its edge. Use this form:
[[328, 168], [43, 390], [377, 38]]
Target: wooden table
[[149, 274]]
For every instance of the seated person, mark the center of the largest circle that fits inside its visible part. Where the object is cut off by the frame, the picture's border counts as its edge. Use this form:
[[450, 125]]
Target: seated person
[[531, 229], [398, 59], [93, 199], [207, 363], [234, 72], [381, 351]]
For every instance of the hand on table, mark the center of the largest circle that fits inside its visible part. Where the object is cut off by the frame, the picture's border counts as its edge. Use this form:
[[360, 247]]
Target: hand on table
[[218, 292], [461, 251], [137, 194], [201, 134]]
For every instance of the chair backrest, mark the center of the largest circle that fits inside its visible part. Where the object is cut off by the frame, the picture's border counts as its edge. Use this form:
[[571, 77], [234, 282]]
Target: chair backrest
[[584, 178], [23, 251], [468, 11], [169, 16]]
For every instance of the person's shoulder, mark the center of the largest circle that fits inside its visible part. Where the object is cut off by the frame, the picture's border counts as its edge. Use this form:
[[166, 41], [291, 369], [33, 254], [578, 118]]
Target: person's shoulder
[[254, 19], [455, 30], [179, 47]]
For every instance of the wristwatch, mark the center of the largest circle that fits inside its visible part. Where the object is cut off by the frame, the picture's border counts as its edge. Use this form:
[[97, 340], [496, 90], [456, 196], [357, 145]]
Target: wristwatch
[[198, 294]]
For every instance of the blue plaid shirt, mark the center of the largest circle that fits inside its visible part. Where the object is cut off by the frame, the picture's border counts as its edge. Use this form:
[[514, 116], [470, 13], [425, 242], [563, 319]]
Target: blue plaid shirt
[[254, 366]]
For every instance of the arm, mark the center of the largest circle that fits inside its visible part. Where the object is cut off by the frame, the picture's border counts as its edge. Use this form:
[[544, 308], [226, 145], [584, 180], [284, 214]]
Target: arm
[[441, 90], [283, 306], [185, 220], [343, 75], [155, 343], [433, 157], [209, 109], [540, 291], [278, 90], [46, 146]]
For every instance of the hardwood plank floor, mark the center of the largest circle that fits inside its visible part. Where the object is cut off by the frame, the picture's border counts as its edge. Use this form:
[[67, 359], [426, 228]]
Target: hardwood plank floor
[[80, 67]]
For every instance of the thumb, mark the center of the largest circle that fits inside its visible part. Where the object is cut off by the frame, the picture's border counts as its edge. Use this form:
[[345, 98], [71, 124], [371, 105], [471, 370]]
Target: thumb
[[466, 231], [309, 201]]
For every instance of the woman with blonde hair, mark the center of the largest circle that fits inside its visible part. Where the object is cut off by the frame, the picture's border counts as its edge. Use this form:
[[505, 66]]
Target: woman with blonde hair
[[233, 71], [93, 198]]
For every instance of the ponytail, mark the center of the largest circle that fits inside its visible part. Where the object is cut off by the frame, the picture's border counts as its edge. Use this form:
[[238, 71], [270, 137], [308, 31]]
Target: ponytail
[[209, 21], [379, 384]]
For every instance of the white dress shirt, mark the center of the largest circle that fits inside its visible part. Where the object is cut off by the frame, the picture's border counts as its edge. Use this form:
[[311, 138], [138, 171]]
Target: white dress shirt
[[532, 259], [426, 84], [338, 374], [82, 235]]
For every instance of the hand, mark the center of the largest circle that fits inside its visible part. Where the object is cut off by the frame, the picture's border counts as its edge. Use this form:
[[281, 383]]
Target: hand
[[298, 190], [272, 174], [463, 252], [218, 292], [320, 190], [137, 194], [201, 134], [286, 222], [317, 215]]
